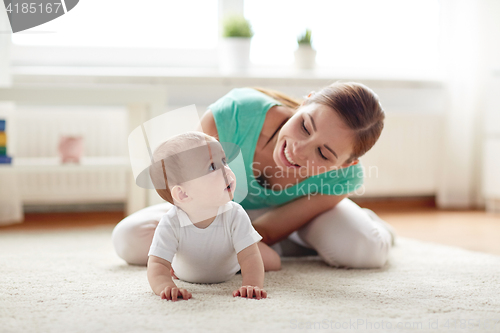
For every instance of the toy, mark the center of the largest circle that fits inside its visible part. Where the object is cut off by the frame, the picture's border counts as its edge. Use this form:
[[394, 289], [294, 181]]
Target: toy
[[71, 148]]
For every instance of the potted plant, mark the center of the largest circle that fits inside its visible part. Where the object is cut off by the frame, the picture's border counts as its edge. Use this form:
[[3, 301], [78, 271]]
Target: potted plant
[[305, 55], [234, 50]]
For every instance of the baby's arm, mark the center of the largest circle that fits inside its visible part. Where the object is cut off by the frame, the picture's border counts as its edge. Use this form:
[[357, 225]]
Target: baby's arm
[[252, 271], [270, 258], [161, 282]]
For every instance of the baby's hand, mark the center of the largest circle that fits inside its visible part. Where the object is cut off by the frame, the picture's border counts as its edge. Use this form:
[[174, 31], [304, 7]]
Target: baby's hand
[[172, 293], [250, 292]]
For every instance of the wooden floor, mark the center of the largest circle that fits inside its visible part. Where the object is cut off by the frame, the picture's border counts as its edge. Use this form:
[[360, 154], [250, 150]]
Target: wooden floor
[[414, 218]]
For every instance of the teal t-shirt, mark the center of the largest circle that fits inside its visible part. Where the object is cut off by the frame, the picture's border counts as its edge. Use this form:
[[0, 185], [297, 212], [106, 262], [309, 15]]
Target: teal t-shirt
[[239, 117]]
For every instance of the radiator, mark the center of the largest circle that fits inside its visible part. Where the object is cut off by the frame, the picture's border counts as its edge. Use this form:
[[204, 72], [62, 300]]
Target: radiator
[[38, 129], [104, 170]]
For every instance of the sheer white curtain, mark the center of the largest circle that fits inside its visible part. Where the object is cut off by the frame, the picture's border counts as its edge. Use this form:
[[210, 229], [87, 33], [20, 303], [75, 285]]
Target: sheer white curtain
[[470, 52]]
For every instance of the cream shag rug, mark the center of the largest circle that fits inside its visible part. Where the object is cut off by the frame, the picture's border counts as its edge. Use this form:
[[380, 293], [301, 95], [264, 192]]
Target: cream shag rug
[[72, 281]]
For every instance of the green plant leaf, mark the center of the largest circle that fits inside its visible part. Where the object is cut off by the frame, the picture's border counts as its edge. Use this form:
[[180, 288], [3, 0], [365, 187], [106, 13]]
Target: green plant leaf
[[237, 26], [305, 38]]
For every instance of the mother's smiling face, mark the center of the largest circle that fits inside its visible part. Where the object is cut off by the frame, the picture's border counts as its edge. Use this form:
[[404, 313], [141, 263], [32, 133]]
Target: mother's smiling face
[[313, 141]]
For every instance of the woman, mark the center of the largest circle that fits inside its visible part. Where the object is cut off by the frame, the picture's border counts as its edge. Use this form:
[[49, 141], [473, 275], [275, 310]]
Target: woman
[[301, 161]]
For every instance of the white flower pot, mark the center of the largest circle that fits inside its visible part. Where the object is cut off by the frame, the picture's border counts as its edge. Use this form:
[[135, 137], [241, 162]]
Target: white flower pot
[[305, 57], [234, 54]]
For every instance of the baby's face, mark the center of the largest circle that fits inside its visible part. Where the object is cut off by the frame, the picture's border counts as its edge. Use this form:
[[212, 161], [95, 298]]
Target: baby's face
[[212, 182]]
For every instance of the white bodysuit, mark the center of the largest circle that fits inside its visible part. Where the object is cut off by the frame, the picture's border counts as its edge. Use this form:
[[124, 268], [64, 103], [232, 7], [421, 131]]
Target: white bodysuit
[[204, 255]]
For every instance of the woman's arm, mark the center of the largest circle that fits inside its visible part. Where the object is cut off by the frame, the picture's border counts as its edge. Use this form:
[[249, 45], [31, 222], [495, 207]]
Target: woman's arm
[[279, 223]]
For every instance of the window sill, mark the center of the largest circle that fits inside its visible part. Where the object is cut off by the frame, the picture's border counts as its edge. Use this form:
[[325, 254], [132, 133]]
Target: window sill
[[176, 75]]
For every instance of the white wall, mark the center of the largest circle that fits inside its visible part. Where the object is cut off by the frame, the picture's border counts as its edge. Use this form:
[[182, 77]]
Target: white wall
[[5, 78]]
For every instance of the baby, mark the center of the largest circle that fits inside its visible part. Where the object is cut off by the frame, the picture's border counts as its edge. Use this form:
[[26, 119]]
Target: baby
[[205, 237]]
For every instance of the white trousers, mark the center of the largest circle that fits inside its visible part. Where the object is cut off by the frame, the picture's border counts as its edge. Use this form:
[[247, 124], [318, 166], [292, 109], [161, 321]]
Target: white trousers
[[344, 236]]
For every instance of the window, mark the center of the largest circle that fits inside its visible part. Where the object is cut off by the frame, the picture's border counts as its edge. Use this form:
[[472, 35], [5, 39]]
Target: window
[[351, 37], [171, 24], [124, 33], [356, 34]]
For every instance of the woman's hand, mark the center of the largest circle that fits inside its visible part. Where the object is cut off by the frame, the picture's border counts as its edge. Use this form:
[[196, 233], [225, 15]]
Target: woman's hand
[[250, 292], [173, 293]]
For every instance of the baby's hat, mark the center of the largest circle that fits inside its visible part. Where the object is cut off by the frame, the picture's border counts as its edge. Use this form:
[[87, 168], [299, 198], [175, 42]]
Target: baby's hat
[[146, 138]]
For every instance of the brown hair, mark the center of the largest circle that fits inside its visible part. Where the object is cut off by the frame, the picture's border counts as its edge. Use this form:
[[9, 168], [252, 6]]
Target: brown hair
[[280, 97], [357, 105]]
